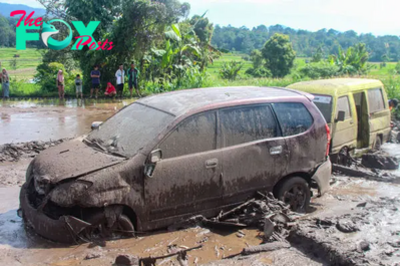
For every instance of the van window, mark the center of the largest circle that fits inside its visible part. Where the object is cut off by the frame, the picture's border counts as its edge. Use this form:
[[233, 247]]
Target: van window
[[324, 104], [375, 101], [294, 118], [194, 135], [343, 104], [247, 124]]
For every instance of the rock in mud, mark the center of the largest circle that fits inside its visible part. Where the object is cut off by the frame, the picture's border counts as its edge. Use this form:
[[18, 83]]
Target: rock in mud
[[380, 161], [126, 260], [363, 246], [346, 226]]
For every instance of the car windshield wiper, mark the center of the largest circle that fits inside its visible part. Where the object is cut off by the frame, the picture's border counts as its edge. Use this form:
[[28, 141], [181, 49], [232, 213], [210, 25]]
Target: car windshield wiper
[[96, 144]]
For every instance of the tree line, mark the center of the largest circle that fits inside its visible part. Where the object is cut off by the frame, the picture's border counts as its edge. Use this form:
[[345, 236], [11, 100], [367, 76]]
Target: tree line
[[306, 43]]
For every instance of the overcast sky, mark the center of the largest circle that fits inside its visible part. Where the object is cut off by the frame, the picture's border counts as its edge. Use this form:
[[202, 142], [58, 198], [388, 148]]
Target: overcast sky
[[364, 16]]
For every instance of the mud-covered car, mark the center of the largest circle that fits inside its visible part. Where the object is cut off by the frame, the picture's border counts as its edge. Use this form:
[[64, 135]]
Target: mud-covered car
[[168, 157]]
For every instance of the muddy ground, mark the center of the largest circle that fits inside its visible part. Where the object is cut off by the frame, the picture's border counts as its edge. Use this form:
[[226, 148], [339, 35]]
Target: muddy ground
[[355, 223]]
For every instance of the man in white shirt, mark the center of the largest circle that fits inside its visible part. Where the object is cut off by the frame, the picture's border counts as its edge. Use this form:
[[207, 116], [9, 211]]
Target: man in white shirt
[[120, 75]]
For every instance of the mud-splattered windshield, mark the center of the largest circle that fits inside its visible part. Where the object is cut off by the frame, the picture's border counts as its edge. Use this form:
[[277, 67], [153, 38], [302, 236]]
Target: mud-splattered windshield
[[129, 130], [324, 104]]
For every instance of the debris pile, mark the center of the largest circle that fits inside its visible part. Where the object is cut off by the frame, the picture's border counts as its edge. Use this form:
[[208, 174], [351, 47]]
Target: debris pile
[[12, 152], [264, 212]]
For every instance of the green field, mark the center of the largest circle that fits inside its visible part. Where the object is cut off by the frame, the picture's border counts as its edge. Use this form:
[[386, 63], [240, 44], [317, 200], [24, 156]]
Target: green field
[[26, 65], [29, 59]]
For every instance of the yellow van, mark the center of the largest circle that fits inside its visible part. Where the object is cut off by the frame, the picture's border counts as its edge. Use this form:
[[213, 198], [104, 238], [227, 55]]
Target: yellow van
[[356, 111]]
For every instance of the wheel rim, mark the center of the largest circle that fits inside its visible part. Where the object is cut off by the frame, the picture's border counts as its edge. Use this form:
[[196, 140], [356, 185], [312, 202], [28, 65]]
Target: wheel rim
[[295, 197]]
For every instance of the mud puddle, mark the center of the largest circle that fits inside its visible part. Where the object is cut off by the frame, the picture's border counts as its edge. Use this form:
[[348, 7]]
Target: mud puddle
[[19, 246], [22, 121]]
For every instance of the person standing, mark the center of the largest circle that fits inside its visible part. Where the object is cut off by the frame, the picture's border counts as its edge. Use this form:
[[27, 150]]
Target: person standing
[[60, 84], [78, 84], [95, 75], [120, 75], [5, 83], [133, 74]]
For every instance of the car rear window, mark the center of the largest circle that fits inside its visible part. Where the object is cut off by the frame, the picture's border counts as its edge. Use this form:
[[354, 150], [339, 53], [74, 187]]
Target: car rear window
[[195, 134], [294, 118], [375, 101], [247, 124], [324, 104]]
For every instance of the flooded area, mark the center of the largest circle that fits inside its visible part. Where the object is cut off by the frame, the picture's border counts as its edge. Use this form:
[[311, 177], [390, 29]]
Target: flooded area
[[22, 121], [43, 120]]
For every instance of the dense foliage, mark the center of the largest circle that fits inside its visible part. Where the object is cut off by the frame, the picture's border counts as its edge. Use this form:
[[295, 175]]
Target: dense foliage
[[279, 55], [306, 43], [169, 49]]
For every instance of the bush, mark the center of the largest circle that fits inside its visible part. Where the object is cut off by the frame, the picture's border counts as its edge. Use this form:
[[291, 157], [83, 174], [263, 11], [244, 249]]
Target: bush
[[319, 70], [231, 70], [261, 72], [397, 68], [47, 74]]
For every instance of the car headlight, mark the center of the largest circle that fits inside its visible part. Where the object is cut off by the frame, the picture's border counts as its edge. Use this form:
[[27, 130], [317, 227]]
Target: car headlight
[[66, 195]]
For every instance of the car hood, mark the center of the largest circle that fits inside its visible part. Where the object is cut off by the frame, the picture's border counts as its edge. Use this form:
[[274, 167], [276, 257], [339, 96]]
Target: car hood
[[71, 159]]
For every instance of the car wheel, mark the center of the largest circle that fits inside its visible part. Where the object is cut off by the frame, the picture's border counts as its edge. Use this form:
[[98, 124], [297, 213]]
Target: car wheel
[[378, 143], [296, 193]]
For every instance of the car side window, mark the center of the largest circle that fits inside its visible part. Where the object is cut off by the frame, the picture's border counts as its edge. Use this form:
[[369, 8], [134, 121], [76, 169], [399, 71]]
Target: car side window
[[247, 124], [294, 118], [375, 101], [343, 104], [194, 135]]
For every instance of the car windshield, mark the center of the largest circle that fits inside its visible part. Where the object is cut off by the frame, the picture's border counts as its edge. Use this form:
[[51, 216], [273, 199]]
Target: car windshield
[[324, 104], [129, 130]]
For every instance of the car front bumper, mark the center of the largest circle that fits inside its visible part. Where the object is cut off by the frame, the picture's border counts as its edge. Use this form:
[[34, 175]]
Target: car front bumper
[[64, 230], [323, 176]]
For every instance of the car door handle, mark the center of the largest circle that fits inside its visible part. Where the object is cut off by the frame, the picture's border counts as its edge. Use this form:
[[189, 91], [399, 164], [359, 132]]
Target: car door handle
[[275, 150], [351, 122], [212, 163]]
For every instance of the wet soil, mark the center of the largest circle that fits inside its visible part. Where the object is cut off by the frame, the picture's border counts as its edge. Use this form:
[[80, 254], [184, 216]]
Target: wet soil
[[315, 243]]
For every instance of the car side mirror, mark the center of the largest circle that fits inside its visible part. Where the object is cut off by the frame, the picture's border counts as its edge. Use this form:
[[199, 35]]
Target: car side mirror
[[341, 116], [96, 124], [154, 158]]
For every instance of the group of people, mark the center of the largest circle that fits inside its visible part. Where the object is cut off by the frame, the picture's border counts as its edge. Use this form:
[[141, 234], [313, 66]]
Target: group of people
[[111, 91], [5, 83]]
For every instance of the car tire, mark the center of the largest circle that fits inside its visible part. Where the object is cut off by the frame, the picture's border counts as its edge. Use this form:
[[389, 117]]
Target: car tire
[[378, 143], [296, 193]]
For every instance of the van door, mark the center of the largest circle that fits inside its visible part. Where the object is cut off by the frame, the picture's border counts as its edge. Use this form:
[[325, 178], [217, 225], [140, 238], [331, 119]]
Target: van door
[[360, 100], [255, 154], [187, 179], [345, 132]]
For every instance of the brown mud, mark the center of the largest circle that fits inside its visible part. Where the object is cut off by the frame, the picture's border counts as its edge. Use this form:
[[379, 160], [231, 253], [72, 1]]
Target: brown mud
[[355, 223]]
